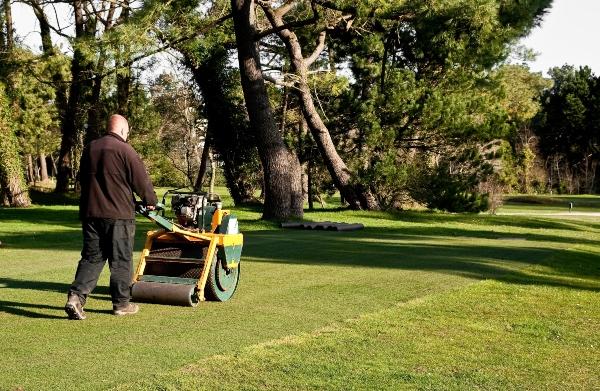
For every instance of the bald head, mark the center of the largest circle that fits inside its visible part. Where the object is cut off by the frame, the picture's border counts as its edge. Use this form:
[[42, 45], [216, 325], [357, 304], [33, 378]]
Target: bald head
[[118, 124]]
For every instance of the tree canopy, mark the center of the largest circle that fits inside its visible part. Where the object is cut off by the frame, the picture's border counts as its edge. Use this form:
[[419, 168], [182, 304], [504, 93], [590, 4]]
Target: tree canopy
[[387, 102]]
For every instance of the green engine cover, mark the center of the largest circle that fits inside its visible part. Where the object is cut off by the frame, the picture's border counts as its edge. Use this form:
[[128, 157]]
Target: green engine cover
[[209, 211], [229, 225]]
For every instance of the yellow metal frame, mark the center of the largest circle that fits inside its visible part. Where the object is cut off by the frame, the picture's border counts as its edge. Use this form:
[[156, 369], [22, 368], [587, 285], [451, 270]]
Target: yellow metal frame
[[214, 241]]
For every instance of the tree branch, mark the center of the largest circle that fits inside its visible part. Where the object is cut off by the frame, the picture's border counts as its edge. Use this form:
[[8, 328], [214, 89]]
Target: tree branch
[[286, 7], [333, 6], [373, 12], [318, 50], [279, 27], [279, 82], [162, 48], [110, 15]]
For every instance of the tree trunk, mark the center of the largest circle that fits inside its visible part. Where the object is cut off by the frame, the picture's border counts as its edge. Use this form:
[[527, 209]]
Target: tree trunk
[[304, 160], [36, 170], [43, 168], [227, 132], [53, 166], [283, 189], [304, 177], [124, 76], [310, 190], [29, 172], [203, 164], [95, 123], [2, 37], [81, 76], [123, 92], [10, 40], [357, 196], [123, 64], [44, 27], [558, 174], [13, 190], [69, 128], [594, 187], [95, 127], [213, 173], [59, 84], [228, 137]]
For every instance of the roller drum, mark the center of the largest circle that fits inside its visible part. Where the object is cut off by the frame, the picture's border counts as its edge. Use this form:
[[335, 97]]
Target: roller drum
[[164, 293]]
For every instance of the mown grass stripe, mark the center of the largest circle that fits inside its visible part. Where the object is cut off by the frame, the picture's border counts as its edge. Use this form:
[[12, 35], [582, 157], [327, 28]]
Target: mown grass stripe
[[488, 335]]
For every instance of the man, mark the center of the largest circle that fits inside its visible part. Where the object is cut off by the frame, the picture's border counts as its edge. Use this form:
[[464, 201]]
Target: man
[[110, 172]]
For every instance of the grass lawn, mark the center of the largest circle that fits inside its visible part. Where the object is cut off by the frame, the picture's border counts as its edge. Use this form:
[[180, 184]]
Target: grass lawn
[[416, 300], [548, 204]]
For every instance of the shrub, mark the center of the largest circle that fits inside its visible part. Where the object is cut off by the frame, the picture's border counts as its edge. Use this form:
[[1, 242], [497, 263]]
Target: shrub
[[452, 183]]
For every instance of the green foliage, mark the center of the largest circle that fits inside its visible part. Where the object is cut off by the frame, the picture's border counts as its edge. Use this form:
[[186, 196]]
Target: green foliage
[[388, 178], [128, 37], [508, 173], [452, 183], [426, 84], [459, 33], [417, 116], [527, 160], [182, 129], [13, 191], [36, 114], [145, 124], [163, 173], [423, 81], [569, 124], [520, 92]]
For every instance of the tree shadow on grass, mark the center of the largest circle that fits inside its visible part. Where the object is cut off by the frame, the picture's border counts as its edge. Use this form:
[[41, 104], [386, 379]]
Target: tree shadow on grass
[[67, 217], [29, 310], [51, 198], [530, 257], [524, 262], [70, 240], [45, 286], [431, 217], [432, 232], [562, 201]]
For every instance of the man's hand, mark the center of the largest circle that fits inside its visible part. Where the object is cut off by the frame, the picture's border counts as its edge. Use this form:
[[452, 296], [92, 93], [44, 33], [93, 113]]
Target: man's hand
[[150, 207]]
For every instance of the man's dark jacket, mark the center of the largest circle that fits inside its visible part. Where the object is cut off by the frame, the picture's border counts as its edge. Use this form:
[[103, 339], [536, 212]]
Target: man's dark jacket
[[110, 172]]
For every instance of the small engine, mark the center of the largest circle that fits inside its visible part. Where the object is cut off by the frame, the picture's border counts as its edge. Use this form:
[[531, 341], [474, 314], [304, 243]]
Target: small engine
[[194, 210], [187, 208]]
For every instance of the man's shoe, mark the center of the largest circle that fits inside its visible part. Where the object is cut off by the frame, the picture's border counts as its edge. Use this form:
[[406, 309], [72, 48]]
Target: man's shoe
[[128, 309], [74, 309]]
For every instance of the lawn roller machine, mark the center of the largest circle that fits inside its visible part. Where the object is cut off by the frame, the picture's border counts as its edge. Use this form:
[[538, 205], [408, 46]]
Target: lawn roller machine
[[194, 257]]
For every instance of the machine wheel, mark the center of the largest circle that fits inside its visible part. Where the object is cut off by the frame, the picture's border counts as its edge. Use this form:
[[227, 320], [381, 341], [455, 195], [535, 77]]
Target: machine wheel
[[221, 282]]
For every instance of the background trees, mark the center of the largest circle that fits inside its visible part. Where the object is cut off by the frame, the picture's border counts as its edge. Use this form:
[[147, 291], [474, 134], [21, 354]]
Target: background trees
[[386, 102], [569, 129]]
